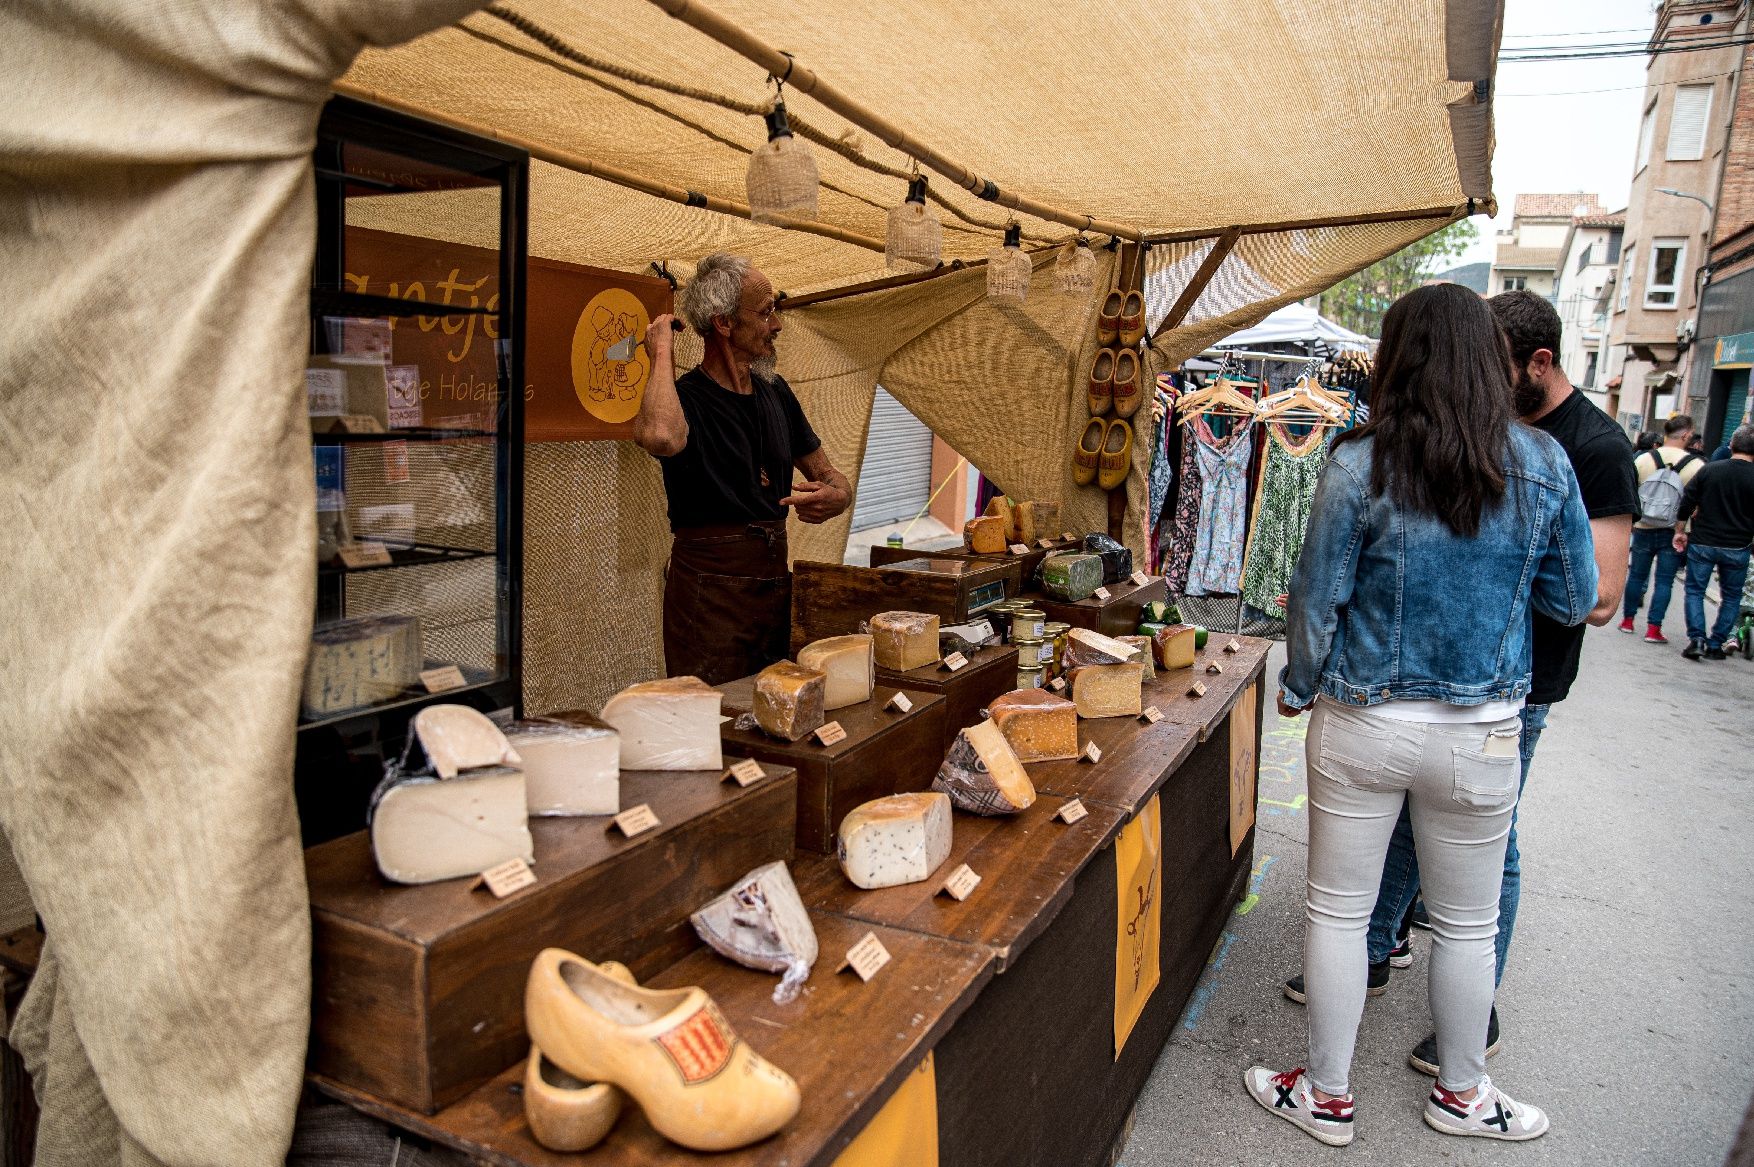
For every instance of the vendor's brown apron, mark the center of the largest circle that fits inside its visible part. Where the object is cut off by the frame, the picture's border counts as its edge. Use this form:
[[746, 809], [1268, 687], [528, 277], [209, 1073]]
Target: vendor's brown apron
[[727, 601]]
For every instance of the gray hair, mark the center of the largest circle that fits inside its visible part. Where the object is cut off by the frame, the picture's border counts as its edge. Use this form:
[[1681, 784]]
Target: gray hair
[[1742, 441], [715, 290]]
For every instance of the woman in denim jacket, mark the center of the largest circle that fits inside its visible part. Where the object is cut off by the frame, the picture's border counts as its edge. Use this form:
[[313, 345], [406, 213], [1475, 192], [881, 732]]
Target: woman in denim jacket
[[1435, 529]]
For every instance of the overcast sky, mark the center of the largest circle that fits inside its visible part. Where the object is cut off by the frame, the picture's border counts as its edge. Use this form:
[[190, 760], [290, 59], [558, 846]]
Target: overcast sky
[[1580, 128]]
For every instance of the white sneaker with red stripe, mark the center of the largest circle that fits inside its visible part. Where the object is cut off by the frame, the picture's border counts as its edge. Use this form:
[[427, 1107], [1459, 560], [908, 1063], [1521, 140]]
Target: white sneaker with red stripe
[[1492, 1114], [1288, 1096]]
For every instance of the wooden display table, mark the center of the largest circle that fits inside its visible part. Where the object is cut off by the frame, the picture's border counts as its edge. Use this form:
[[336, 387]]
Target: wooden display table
[[1119, 615], [989, 672]]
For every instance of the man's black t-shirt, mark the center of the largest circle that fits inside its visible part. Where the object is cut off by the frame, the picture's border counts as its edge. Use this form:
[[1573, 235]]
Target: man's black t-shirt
[[1720, 501], [1601, 457], [732, 439]]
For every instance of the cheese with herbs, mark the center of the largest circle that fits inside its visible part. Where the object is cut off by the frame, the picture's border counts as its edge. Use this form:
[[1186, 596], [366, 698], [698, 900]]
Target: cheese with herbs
[[850, 665], [900, 839], [672, 724], [1071, 576]]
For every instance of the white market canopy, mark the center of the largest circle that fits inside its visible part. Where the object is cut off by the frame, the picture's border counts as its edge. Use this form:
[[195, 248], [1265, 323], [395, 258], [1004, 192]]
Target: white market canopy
[[1297, 324]]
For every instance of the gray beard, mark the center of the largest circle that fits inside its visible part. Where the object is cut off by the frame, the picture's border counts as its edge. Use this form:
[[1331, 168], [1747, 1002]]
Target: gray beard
[[765, 367]]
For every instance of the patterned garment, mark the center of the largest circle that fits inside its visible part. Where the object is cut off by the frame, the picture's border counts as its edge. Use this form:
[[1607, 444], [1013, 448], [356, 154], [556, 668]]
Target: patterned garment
[[1224, 473], [1162, 470], [1184, 528], [1282, 506]]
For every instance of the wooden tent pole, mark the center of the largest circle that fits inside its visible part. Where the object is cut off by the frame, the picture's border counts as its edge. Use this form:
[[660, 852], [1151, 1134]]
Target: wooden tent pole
[[1449, 213], [1208, 268], [568, 160], [884, 283], [776, 63]]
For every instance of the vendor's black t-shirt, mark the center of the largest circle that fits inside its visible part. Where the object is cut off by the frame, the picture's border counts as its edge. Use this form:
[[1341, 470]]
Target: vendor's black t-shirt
[[732, 437], [1602, 459]]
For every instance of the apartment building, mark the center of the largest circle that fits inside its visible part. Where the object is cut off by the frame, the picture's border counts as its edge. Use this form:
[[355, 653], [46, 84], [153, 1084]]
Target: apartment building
[[1724, 348], [1527, 254], [1583, 292]]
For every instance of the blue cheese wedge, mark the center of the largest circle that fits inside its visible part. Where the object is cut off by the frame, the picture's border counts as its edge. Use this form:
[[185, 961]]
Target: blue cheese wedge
[[424, 829], [895, 840], [360, 661]]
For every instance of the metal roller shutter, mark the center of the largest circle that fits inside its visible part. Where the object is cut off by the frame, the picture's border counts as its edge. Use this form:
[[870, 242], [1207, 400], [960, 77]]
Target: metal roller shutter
[[1734, 408], [895, 478]]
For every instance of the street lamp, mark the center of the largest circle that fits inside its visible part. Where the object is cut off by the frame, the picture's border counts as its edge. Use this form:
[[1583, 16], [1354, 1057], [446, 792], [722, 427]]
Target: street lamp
[[1681, 194]]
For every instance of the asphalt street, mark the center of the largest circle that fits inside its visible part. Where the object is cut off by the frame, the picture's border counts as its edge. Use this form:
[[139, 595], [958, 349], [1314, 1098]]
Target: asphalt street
[[1628, 1002]]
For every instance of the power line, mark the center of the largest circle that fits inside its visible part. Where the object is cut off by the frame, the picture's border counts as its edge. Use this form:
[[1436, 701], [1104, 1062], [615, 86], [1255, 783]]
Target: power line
[[1524, 36], [1642, 51], [1620, 88]]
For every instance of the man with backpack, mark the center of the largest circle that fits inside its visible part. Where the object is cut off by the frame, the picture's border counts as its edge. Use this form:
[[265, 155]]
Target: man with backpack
[[1663, 473], [1720, 502]]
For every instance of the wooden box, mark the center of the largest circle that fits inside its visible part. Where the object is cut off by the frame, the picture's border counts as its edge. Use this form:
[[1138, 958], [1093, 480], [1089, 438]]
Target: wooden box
[[1119, 615], [885, 752], [989, 672], [884, 556], [418, 992], [832, 599]]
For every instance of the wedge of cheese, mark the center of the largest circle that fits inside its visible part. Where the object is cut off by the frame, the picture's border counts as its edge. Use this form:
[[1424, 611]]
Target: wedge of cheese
[[1108, 690], [1145, 657], [672, 724], [361, 660], [572, 764], [1084, 646], [425, 829], [1039, 725], [895, 840], [849, 664], [1038, 520], [984, 535], [982, 775], [760, 923], [1071, 576], [788, 700], [456, 738], [1175, 646], [904, 640], [1001, 508]]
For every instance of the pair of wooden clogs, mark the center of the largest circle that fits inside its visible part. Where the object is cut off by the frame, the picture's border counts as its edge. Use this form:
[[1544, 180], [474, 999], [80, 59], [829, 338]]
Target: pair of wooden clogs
[[1114, 382], [598, 1038], [1104, 453], [1121, 320]]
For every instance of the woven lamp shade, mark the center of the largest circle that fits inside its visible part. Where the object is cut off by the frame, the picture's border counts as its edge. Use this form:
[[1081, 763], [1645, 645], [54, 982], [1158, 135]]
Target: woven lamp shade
[[914, 239], [1075, 269], [1008, 269], [782, 180]]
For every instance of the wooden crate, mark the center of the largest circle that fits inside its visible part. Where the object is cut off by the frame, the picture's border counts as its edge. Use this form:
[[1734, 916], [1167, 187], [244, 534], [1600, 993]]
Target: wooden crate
[[1119, 615], [832, 599], [884, 752], [418, 992], [883, 556], [989, 672]]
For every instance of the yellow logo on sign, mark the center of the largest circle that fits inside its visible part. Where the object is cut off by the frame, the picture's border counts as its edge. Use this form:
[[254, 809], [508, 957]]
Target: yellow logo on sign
[[610, 390]]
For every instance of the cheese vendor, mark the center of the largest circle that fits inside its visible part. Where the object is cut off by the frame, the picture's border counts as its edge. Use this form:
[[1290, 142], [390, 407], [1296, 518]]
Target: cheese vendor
[[728, 434]]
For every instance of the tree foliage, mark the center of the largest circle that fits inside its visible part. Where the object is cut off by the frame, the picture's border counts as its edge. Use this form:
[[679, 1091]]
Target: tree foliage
[[1359, 301]]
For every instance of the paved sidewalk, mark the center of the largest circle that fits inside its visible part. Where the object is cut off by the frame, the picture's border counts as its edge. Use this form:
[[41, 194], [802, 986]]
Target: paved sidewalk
[[1628, 1004]]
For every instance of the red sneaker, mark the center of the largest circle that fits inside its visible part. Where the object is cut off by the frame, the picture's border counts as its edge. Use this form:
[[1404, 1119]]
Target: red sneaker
[[1626, 625], [1653, 634]]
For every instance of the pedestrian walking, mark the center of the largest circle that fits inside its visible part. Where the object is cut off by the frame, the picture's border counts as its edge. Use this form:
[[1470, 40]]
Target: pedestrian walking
[[1663, 473], [1437, 527], [1714, 529]]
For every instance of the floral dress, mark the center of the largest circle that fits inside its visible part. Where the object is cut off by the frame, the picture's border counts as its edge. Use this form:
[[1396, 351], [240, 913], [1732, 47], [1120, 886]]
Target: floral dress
[[1282, 505], [1184, 528], [1224, 469]]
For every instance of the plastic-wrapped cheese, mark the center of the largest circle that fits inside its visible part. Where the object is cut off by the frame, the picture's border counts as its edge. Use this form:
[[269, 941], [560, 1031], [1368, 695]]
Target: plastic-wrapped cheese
[[849, 664], [1145, 657], [982, 775], [572, 764], [1108, 690], [904, 640], [760, 922], [1175, 646], [1087, 647], [788, 700], [362, 660], [456, 738], [1117, 560], [984, 535], [895, 840], [1071, 576], [1039, 725], [425, 829], [672, 724]]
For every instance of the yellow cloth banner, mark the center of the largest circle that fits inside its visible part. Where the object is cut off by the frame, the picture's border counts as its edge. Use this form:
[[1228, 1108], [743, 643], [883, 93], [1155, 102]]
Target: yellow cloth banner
[[905, 1131], [1138, 917], [1244, 767]]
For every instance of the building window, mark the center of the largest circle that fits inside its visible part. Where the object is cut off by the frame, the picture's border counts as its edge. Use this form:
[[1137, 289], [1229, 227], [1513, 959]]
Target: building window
[[1514, 283], [1663, 285], [1589, 371], [1687, 123], [1583, 257], [1625, 280], [1646, 129]]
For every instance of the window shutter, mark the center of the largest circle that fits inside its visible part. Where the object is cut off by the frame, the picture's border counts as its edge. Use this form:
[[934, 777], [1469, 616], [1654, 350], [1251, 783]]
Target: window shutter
[[1645, 129], [1687, 125]]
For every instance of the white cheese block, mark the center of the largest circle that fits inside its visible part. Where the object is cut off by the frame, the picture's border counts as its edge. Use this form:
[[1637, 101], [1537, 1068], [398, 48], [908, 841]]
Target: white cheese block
[[788, 700], [1108, 690], [572, 764], [982, 775], [895, 840], [850, 664], [1087, 647], [457, 738], [904, 640], [425, 829], [672, 724], [760, 922], [363, 660]]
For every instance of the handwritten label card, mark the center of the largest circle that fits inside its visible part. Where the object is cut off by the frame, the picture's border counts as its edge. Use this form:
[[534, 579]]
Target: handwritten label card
[[1057, 684], [866, 957], [1102, 594], [366, 554], [1140, 579], [1152, 714], [635, 820], [1214, 668], [900, 703], [1233, 646], [962, 881], [506, 878], [1092, 753], [1067, 536], [1071, 812], [1020, 549], [955, 661], [1198, 689], [745, 772], [1044, 543], [443, 679], [831, 733]]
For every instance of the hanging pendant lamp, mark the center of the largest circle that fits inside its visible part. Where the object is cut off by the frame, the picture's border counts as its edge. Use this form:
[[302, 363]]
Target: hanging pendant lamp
[[1075, 268], [915, 238], [1008, 269], [782, 174]]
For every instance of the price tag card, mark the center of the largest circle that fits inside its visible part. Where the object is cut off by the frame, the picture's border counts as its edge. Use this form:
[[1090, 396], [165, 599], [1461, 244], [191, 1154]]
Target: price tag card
[[866, 957], [1152, 714], [361, 423], [508, 877], [1214, 668], [900, 703], [962, 881], [366, 554], [1057, 684], [441, 680], [831, 733], [955, 661], [1102, 594], [1198, 689], [745, 772], [1233, 646], [1140, 579], [1067, 536], [1044, 542], [1092, 753], [1020, 549], [1071, 812], [635, 820]]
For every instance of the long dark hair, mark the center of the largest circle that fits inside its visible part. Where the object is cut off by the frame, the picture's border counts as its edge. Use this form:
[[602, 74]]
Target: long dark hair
[[1440, 406]]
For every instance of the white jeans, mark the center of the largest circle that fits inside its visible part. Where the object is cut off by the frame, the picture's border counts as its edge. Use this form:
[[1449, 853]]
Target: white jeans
[[1461, 785]]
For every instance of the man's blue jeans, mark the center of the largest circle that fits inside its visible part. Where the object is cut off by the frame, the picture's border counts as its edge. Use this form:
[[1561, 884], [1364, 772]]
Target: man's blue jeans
[[1400, 872], [1652, 546], [1731, 565]]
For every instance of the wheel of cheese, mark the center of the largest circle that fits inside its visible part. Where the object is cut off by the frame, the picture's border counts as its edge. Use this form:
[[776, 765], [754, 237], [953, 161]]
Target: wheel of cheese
[[426, 829]]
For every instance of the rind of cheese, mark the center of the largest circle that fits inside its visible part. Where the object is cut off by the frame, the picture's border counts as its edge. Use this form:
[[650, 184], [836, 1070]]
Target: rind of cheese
[[457, 738], [789, 700], [1040, 726], [671, 724], [850, 665], [359, 661], [1146, 657], [984, 535], [1108, 690], [982, 775], [904, 640], [1071, 576], [572, 765], [1175, 646], [895, 840], [426, 829], [760, 922], [1085, 646]]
